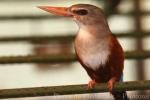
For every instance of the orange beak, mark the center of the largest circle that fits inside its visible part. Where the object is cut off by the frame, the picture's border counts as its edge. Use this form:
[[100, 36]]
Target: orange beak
[[60, 11]]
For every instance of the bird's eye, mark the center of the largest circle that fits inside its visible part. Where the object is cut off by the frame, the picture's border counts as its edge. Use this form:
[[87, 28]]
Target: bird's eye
[[81, 12]]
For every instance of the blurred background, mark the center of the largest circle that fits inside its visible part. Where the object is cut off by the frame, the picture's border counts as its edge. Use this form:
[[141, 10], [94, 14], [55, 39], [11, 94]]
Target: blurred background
[[21, 18]]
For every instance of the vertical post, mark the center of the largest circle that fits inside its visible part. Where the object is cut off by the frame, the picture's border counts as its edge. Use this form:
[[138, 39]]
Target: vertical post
[[138, 28]]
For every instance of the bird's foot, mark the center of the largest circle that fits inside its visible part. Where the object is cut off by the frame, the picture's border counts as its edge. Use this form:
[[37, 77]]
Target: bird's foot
[[91, 84], [110, 84]]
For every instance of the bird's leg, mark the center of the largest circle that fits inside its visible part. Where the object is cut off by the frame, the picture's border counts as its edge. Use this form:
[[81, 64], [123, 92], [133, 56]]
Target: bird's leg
[[110, 84], [91, 84]]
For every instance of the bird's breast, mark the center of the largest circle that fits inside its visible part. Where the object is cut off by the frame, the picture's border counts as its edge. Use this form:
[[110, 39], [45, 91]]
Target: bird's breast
[[93, 53]]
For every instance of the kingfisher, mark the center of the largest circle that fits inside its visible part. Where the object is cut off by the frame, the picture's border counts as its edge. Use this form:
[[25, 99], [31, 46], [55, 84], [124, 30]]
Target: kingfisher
[[96, 48]]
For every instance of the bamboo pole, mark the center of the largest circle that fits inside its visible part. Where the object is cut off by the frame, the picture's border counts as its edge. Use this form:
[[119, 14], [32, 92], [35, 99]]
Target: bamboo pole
[[29, 17], [71, 89], [41, 17], [62, 58], [66, 38]]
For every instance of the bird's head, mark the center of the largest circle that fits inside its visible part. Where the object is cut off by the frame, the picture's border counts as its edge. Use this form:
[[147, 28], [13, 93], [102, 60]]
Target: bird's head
[[83, 14]]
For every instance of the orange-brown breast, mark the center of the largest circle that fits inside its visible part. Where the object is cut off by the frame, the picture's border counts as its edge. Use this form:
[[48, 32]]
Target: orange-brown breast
[[112, 68]]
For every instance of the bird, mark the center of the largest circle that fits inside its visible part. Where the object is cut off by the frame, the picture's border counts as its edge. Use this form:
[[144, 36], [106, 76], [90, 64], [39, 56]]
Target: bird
[[96, 47]]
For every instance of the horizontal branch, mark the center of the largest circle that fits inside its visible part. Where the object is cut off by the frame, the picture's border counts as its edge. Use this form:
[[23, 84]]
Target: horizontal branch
[[62, 58], [71, 89], [29, 17], [38, 59], [36, 1], [67, 38], [38, 17]]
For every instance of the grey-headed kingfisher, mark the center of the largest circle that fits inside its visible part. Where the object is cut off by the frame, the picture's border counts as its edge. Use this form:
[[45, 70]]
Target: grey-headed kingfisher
[[97, 49]]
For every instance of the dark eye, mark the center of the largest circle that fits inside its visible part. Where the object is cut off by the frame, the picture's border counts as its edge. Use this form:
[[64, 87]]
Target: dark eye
[[81, 12]]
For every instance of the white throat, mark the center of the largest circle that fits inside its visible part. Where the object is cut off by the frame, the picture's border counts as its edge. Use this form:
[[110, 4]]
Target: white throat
[[94, 53]]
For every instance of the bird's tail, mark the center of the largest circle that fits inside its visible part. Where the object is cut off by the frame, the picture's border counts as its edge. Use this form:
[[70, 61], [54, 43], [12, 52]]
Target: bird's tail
[[120, 95]]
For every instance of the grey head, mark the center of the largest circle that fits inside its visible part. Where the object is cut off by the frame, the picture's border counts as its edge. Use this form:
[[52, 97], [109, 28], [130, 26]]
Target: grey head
[[86, 14], [90, 18]]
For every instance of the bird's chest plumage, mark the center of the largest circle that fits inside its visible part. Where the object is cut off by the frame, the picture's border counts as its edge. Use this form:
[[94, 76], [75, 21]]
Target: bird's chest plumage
[[94, 53]]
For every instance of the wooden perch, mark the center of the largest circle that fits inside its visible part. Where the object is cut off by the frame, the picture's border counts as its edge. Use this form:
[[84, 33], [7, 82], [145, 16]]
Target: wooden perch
[[71, 89]]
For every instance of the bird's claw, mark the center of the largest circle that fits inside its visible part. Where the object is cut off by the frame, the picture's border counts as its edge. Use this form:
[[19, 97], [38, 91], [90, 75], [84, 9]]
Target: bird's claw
[[110, 85], [91, 84]]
